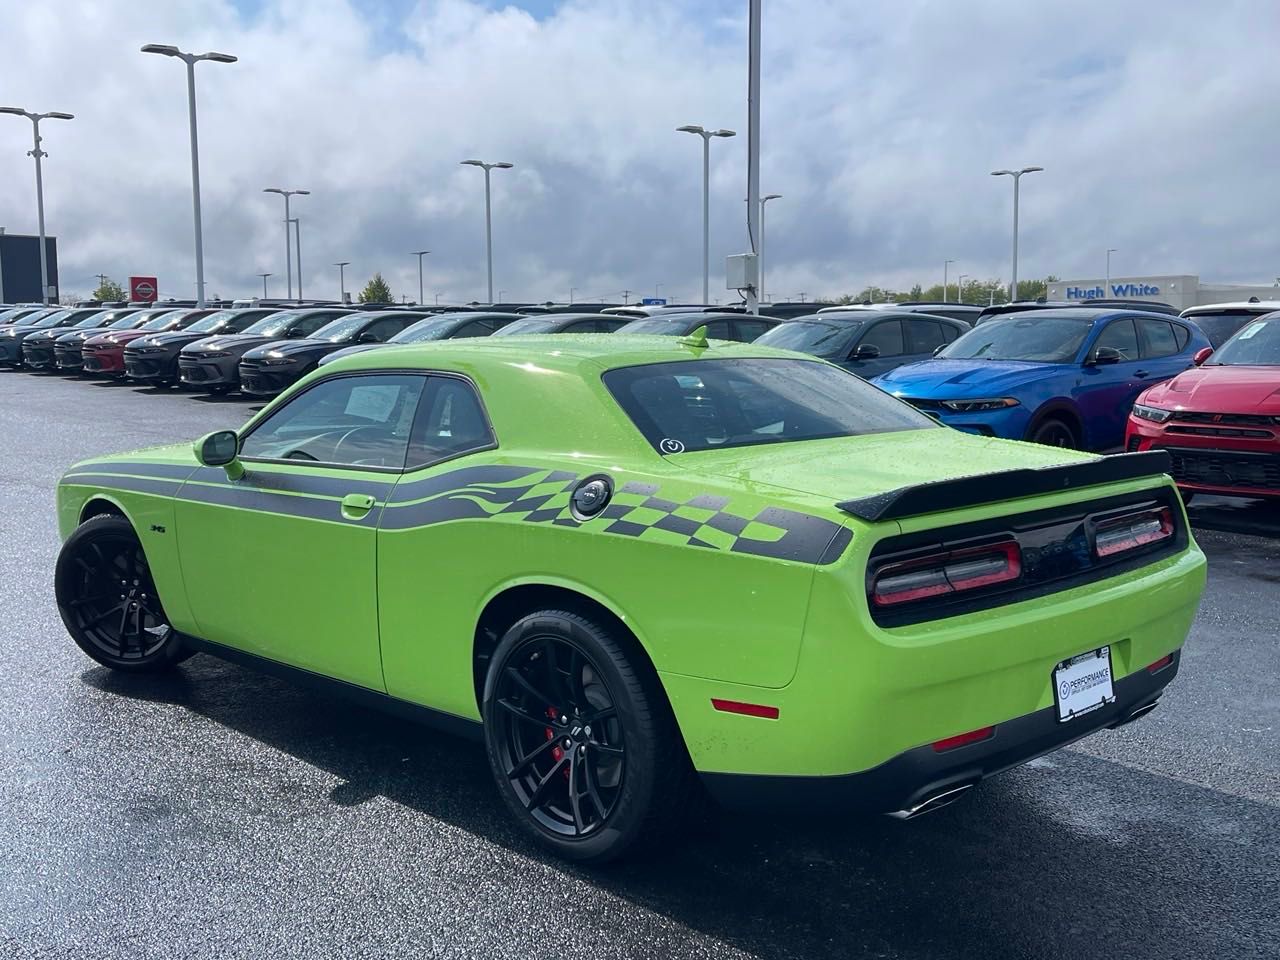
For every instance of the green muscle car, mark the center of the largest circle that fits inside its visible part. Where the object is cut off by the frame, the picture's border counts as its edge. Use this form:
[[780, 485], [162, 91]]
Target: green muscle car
[[647, 569]]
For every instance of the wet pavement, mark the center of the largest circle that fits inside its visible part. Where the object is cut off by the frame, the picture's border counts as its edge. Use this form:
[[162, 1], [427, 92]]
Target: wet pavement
[[216, 812]]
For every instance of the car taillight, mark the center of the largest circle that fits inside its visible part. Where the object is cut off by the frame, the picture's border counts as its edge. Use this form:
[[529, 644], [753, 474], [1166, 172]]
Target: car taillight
[[1133, 531], [951, 572]]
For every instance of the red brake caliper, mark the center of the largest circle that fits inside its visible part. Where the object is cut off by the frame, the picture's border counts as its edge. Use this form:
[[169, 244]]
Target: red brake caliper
[[556, 752]]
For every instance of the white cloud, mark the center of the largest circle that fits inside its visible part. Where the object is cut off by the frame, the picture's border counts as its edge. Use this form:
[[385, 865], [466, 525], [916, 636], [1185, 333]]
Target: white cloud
[[881, 121]]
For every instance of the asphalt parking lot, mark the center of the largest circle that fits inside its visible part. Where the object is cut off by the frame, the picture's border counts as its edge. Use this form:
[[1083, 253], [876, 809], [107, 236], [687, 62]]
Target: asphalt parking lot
[[216, 812]]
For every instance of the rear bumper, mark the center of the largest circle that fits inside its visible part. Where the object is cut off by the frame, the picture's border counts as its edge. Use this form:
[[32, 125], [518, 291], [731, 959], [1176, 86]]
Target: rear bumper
[[910, 779]]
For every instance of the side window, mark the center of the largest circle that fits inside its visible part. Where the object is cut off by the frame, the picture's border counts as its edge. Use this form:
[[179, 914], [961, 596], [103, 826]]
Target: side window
[[476, 328], [612, 324], [1158, 339], [719, 330], [749, 329], [887, 335], [951, 332], [309, 325], [387, 327], [450, 422], [357, 421], [1182, 335], [1120, 335], [582, 326], [923, 336]]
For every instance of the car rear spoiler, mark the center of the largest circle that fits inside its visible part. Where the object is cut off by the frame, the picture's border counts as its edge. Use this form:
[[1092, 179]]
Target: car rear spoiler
[[1005, 485]]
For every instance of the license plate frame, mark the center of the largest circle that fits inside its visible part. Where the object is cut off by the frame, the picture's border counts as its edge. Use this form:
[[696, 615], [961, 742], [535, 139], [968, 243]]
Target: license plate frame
[[1083, 683]]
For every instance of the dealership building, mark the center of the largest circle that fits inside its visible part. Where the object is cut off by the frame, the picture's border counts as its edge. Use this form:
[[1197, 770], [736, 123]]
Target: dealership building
[[1179, 290], [20, 268]]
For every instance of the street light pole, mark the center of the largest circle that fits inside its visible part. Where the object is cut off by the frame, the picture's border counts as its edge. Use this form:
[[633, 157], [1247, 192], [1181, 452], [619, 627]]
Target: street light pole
[[1017, 179], [264, 282], [960, 287], [1109, 253], [342, 280], [760, 246], [706, 136], [288, 253], [488, 210], [420, 254], [190, 59], [297, 247], [946, 265], [36, 152]]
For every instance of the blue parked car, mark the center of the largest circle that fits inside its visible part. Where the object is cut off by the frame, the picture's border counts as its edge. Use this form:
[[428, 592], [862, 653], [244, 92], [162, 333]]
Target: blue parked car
[[1065, 377]]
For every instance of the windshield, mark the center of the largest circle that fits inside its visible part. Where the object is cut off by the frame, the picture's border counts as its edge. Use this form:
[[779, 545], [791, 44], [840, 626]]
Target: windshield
[[167, 321], [822, 338], [432, 328], [1258, 344], [1032, 337], [225, 321], [52, 319], [94, 319], [1218, 326], [341, 329], [664, 326], [710, 404], [531, 325], [276, 324]]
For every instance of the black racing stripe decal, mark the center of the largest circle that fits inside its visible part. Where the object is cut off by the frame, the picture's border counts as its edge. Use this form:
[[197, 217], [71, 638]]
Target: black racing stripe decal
[[296, 482], [267, 501], [107, 481], [456, 480], [175, 470]]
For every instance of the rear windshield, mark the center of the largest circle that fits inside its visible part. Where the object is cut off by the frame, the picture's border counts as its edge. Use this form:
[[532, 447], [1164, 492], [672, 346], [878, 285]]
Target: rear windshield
[[1220, 325], [711, 404], [532, 325], [664, 326], [1258, 344], [823, 338], [1034, 337]]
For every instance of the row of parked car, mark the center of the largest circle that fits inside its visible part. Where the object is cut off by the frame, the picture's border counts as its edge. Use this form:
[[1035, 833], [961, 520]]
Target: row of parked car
[[1203, 384]]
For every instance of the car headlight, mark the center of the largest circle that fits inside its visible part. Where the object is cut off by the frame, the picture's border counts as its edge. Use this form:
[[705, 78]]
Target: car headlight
[[211, 356], [274, 359], [972, 406], [1154, 414]]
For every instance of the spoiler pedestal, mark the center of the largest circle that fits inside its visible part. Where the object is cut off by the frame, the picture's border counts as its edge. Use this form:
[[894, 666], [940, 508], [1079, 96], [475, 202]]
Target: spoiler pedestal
[[983, 488]]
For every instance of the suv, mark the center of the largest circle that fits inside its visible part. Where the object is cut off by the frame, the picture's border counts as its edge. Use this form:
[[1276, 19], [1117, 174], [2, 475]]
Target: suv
[[154, 359], [213, 364], [1220, 321]]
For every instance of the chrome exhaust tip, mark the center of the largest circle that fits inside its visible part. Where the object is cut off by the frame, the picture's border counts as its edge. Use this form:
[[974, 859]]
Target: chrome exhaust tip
[[1136, 714], [935, 802]]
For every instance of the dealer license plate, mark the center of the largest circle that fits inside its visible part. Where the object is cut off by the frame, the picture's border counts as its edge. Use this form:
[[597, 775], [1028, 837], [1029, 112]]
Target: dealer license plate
[[1083, 684]]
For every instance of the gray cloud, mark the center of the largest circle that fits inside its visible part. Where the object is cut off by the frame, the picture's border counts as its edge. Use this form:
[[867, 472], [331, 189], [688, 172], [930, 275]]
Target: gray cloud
[[881, 122]]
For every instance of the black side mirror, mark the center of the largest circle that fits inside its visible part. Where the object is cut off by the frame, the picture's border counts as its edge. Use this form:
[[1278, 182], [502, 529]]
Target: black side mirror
[[293, 332], [1103, 356], [221, 449], [866, 351], [939, 348], [368, 337]]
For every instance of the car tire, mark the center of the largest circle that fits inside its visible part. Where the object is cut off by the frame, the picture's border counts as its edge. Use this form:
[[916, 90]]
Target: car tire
[[1054, 432], [108, 600], [632, 777]]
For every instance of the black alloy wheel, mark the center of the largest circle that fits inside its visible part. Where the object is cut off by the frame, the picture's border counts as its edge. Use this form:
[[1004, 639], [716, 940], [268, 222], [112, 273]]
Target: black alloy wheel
[[108, 599], [582, 744], [1054, 433]]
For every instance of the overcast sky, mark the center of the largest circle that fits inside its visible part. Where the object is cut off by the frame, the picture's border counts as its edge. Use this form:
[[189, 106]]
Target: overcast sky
[[1157, 122]]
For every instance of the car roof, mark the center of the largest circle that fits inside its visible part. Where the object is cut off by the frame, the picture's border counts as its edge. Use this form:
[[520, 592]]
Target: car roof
[[1083, 314], [1250, 306]]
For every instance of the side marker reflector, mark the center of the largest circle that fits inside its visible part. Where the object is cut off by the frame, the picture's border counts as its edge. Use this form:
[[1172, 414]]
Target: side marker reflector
[[1160, 664], [964, 739], [746, 709]]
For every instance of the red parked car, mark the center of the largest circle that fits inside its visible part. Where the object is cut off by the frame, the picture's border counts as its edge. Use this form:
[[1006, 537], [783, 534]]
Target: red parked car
[[1220, 422], [104, 354]]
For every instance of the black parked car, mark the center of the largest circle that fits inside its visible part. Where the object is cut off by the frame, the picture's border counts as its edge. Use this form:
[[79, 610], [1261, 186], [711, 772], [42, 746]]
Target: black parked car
[[154, 359], [68, 348], [720, 326], [866, 342], [37, 349], [563, 323], [11, 338], [272, 367], [213, 364], [448, 326]]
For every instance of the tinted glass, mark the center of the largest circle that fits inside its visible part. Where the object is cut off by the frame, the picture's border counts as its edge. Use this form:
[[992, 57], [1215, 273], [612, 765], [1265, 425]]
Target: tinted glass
[[1158, 336], [127, 319], [887, 335], [701, 405], [358, 421], [1121, 336], [450, 422], [94, 319], [750, 330], [663, 326], [179, 320], [52, 319], [529, 325], [716, 330], [822, 338], [1219, 327], [213, 322], [336, 331], [388, 328], [923, 336], [581, 326], [1257, 344], [951, 332], [1033, 337], [430, 328], [476, 328], [302, 322]]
